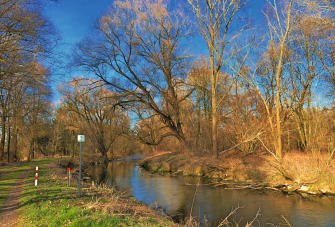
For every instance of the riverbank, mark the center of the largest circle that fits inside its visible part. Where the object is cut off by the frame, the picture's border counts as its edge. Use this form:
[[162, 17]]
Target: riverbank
[[53, 203], [301, 173], [180, 197]]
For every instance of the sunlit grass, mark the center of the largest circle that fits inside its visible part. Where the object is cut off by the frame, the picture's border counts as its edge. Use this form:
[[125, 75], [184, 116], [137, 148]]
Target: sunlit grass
[[9, 176], [6, 183]]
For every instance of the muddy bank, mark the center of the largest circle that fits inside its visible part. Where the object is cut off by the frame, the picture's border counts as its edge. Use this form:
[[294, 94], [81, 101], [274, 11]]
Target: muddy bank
[[253, 171]]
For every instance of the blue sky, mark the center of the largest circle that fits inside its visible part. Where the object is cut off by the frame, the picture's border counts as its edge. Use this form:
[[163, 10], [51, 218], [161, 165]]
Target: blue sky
[[75, 19]]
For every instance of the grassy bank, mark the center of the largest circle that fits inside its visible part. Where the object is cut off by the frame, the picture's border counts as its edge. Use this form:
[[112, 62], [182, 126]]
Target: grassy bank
[[298, 172], [52, 203]]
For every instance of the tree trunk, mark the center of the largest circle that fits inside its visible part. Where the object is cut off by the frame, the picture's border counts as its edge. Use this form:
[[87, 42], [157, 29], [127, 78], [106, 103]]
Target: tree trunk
[[278, 128], [3, 138], [15, 158], [106, 160], [199, 122], [34, 149], [8, 145], [278, 133], [213, 115], [185, 146], [309, 123], [31, 150]]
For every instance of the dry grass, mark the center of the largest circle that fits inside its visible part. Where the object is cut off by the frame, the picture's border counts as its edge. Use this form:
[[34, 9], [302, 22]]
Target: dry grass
[[296, 169], [304, 168], [316, 170], [110, 201]]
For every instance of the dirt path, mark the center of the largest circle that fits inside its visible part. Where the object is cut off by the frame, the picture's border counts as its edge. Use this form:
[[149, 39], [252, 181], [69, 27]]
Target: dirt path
[[9, 212], [5, 173]]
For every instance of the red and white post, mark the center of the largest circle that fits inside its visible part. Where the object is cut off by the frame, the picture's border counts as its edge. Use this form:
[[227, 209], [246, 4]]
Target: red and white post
[[68, 176], [36, 175]]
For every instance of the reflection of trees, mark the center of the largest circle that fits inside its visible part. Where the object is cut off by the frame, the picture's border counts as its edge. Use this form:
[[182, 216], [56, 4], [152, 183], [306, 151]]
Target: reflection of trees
[[109, 175], [169, 192], [98, 173], [180, 213], [166, 191], [119, 174]]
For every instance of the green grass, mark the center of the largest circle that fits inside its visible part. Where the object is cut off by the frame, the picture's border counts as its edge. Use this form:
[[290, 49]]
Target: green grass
[[9, 180], [62, 214], [52, 203], [6, 183]]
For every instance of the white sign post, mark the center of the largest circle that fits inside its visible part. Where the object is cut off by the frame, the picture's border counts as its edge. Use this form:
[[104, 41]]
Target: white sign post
[[81, 139]]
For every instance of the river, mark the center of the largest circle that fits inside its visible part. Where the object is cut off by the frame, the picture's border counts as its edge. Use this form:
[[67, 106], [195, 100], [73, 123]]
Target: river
[[175, 195]]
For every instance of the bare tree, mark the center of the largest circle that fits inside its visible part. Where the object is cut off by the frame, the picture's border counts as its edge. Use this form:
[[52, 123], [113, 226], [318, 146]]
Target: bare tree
[[215, 18], [199, 77], [24, 35], [309, 34], [320, 15], [138, 54], [279, 22], [96, 113]]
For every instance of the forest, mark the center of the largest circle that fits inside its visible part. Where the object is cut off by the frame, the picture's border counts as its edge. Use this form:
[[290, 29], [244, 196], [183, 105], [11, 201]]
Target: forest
[[260, 88]]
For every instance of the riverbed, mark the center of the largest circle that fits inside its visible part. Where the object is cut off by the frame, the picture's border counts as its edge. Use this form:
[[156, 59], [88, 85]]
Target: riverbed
[[179, 196]]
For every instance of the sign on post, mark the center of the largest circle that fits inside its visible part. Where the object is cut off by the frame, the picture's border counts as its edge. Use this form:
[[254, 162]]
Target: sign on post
[[81, 139]]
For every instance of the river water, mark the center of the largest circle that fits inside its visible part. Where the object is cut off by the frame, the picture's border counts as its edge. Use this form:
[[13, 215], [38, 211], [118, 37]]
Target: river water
[[175, 195]]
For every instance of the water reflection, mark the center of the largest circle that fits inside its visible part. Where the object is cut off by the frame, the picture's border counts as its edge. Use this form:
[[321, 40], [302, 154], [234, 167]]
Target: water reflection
[[175, 196]]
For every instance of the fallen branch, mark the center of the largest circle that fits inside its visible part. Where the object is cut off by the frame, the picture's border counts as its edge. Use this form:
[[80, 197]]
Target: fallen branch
[[225, 221], [156, 155], [249, 224]]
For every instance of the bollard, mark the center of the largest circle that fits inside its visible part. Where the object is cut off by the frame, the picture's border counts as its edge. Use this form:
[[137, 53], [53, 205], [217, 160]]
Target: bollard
[[36, 175], [68, 177]]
